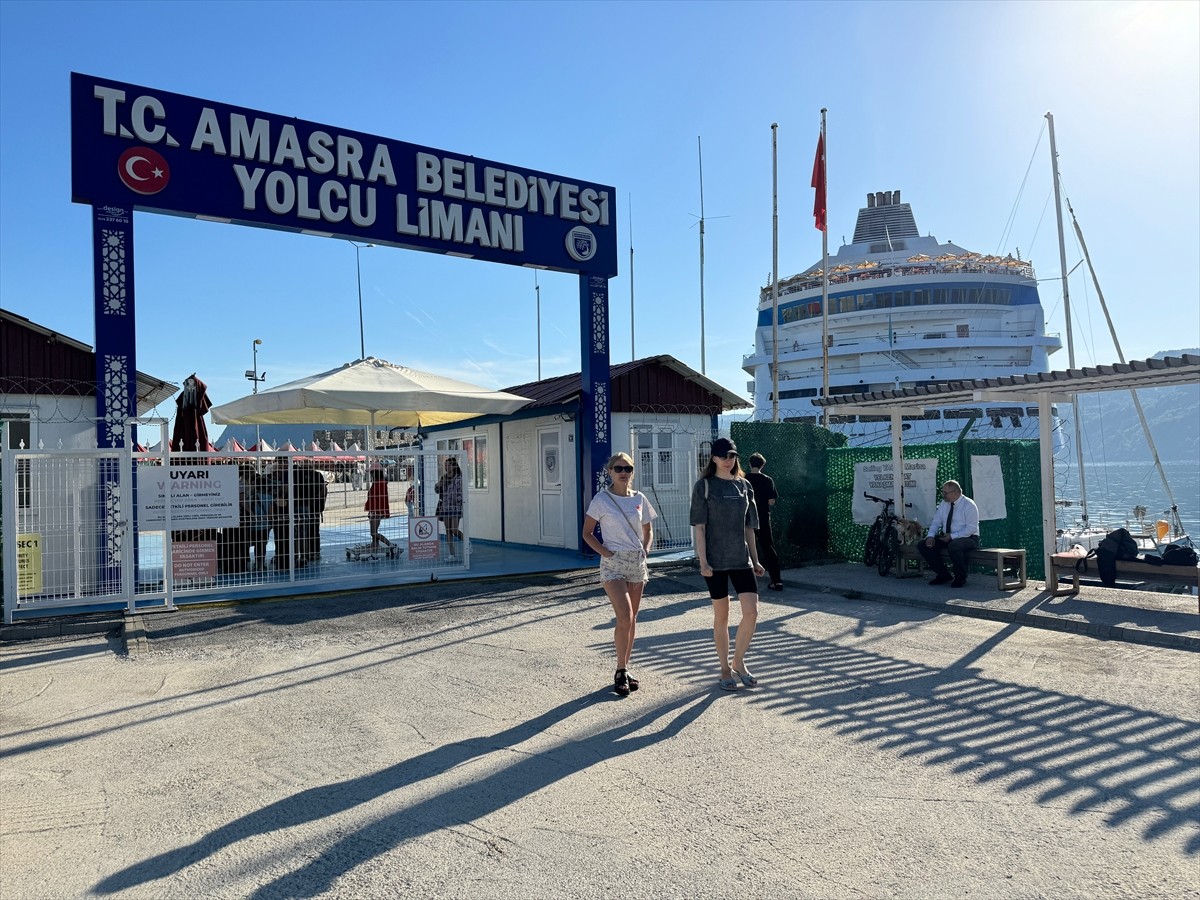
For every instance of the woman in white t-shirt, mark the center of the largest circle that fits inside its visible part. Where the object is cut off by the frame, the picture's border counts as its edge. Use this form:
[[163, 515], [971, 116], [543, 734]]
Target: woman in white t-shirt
[[624, 516]]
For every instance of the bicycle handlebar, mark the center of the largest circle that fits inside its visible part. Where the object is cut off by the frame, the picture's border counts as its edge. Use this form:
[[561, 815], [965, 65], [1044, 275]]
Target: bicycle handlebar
[[886, 503]]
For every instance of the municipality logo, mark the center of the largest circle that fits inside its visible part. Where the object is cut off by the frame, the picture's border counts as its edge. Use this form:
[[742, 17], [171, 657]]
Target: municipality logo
[[581, 243]]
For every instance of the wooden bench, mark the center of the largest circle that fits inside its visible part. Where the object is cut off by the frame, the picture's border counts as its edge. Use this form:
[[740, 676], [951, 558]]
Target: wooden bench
[[1127, 570], [1002, 560]]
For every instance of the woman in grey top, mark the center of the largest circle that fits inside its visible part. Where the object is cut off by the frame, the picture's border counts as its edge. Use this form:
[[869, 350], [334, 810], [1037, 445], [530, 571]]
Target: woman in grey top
[[723, 518]]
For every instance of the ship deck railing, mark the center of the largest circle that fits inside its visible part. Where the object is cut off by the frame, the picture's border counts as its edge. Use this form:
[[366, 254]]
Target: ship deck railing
[[900, 345], [790, 286]]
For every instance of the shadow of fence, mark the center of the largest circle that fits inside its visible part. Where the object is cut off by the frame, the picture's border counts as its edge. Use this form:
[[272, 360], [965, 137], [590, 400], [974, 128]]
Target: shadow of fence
[[1140, 768]]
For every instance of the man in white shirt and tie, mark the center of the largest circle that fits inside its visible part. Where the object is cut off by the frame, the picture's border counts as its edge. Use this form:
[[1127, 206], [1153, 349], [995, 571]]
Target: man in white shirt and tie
[[955, 529]]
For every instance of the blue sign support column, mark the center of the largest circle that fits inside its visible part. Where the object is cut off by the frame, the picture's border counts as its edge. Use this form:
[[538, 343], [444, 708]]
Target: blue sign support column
[[594, 410], [116, 373]]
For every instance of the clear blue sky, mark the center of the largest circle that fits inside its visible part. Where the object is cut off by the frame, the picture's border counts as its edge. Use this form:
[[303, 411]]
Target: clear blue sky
[[944, 101]]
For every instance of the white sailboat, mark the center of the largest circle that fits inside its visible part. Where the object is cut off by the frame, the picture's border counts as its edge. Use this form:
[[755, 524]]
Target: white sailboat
[[1085, 533]]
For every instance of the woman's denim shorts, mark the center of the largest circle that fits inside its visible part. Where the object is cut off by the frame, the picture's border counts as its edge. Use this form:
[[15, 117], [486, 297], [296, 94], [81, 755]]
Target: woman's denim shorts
[[624, 565]]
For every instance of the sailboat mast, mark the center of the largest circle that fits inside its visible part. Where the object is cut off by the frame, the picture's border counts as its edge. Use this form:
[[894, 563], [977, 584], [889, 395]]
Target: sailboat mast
[[1062, 261], [775, 272], [1137, 403]]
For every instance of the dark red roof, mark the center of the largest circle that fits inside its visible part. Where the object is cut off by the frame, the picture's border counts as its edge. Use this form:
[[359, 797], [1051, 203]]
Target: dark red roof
[[655, 383]]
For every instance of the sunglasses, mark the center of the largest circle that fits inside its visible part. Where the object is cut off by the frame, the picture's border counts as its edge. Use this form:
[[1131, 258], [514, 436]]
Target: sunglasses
[[730, 455], [625, 469]]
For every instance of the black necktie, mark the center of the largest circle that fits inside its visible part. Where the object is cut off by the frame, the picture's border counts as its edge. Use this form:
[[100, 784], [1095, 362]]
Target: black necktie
[[949, 518]]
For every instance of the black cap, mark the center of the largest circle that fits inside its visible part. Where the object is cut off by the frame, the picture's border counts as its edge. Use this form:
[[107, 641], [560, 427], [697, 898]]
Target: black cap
[[723, 447]]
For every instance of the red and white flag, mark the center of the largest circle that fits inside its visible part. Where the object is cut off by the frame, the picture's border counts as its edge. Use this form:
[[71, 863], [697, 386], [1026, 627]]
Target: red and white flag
[[818, 182]]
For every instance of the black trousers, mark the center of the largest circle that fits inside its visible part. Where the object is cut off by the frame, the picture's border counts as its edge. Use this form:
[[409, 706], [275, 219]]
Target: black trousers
[[767, 555], [957, 548]]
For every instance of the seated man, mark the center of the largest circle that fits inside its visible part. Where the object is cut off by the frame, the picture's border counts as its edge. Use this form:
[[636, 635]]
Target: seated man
[[955, 528]]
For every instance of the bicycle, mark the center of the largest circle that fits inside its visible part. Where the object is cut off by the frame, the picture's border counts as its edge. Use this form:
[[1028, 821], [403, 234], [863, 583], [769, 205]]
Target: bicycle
[[883, 540]]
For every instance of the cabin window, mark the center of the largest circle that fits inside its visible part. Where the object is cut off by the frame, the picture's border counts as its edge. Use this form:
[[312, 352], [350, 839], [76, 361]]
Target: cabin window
[[655, 458], [17, 435], [475, 470]]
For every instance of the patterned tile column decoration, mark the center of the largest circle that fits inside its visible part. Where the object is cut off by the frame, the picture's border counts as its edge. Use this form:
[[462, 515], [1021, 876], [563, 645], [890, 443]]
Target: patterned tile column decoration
[[116, 375], [594, 412]]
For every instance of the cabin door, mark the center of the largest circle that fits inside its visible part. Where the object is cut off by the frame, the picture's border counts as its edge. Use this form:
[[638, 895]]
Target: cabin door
[[550, 486]]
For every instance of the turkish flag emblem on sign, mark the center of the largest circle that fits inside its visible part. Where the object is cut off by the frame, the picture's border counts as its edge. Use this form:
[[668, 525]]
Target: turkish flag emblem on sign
[[143, 170]]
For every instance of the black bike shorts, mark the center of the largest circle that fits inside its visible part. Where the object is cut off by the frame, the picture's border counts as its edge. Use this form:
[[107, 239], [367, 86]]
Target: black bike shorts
[[743, 582]]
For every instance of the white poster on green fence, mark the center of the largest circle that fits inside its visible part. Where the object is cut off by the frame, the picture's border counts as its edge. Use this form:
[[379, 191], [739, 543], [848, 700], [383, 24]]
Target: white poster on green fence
[[987, 480], [876, 479]]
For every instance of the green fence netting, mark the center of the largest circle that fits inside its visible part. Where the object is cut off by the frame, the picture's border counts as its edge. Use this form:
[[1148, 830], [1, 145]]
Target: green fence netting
[[796, 460], [1020, 468]]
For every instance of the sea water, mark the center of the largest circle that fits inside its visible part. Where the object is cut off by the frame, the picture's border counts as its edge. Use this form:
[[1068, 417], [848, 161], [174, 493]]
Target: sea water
[[1115, 488]]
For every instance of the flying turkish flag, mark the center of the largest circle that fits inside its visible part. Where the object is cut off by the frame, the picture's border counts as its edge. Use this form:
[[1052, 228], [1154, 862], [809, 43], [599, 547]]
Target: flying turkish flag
[[818, 182]]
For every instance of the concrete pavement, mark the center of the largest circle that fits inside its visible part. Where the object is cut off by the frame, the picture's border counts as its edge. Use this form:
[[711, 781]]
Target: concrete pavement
[[458, 740]]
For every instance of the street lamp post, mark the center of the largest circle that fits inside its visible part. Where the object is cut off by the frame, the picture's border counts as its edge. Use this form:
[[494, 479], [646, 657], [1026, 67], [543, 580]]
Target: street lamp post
[[254, 376], [362, 343]]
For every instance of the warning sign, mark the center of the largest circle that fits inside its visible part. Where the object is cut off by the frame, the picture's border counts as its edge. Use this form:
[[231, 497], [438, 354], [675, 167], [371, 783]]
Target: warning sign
[[194, 559], [423, 538], [29, 564]]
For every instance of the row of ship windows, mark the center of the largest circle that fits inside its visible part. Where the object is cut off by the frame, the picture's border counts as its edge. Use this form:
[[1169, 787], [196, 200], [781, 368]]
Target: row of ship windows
[[898, 299], [1012, 413]]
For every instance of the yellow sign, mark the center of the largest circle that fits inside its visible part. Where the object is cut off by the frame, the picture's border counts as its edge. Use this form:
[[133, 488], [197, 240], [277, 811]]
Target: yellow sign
[[29, 564]]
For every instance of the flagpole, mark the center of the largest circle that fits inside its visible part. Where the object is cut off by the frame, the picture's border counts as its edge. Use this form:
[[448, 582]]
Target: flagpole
[[632, 343], [824, 275], [700, 158], [775, 272]]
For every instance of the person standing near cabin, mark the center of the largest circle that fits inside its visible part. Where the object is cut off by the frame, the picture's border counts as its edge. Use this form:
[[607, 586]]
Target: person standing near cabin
[[625, 518], [765, 496], [724, 517], [449, 489], [955, 529], [378, 508]]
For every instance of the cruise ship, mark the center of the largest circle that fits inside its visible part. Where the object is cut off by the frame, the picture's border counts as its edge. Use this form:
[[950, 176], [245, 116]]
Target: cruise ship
[[904, 310]]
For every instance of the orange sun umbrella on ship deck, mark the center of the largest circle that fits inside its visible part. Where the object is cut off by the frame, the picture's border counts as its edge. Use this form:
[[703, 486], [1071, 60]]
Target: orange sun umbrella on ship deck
[[841, 267], [867, 264], [920, 257], [945, 257]]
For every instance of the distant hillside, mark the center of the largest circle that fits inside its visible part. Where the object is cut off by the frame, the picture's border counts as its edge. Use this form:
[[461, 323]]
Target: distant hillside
[[1112, 432]]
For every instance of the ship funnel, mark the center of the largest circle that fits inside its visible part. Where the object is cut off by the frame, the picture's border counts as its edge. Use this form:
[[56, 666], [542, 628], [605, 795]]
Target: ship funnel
[[870, 201]]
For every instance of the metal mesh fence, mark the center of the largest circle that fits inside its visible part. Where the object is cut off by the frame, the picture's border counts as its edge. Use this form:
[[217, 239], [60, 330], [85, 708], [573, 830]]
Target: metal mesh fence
[[90, 526]]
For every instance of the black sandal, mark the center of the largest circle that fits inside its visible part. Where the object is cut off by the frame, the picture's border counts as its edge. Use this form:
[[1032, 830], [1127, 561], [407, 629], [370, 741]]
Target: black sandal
[[634, 684], [621, 683]]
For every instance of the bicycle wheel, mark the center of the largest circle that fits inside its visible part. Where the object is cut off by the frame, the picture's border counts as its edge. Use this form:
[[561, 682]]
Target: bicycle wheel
[[889, 549], [874, 537]]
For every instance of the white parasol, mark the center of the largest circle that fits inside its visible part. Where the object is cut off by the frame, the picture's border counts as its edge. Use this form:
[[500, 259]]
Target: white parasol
[[369, 392]]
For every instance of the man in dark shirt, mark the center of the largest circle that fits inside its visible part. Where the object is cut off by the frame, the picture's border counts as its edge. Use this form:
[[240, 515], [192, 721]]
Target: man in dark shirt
[[764, 498]]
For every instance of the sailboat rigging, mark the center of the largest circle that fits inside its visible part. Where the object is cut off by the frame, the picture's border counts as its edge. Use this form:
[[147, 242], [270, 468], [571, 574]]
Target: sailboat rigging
[[1095, 534]]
